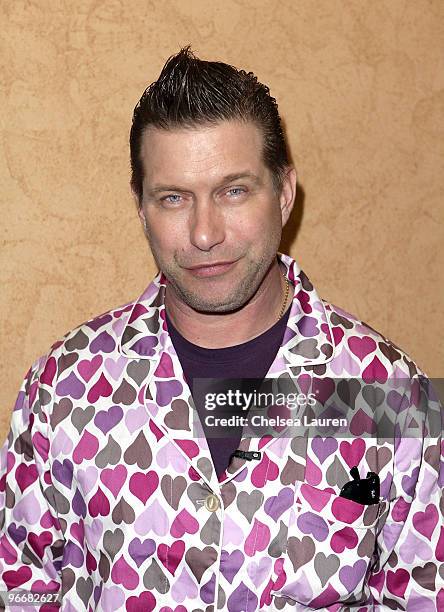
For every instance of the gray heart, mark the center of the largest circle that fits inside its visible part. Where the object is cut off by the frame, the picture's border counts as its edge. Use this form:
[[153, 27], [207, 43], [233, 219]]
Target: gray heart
[[113, 542], [84, 588], [292, 472], [299, 551], [139, 452], [228, 493], [60, 412], [306, 348], [336, 474], [197, 493], [325, 566], [109, 455], [178, 417], [80, 417], [154, 578], [249, 503], [78, 341], [299, 446], [125, 394], [65, 362], [104, 566], [374, 396], [123, 512], [367, 544], [277, 545], [206, 467], [152, 324], [138, 370], [173, 489], [348, 390], [210, 532], [200, 560], [68, 579]]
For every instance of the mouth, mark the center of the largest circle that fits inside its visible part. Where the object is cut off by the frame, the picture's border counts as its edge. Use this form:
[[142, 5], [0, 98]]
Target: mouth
[[213, 269]]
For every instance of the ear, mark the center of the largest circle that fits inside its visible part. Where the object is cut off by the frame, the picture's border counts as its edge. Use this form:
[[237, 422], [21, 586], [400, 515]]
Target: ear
[[288, 193]]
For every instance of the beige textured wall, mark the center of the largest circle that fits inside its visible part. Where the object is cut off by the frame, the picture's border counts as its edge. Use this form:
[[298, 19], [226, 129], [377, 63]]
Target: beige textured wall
[[361, 87]]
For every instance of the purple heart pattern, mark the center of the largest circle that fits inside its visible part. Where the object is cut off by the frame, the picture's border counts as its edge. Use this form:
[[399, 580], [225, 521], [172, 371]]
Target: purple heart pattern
[[106, 495]]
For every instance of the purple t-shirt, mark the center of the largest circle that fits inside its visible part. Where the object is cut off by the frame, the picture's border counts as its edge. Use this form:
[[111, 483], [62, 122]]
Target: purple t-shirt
[[250, 359]]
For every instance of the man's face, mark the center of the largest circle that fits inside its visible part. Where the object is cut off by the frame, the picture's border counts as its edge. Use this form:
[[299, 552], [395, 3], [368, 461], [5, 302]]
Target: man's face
[[208, 199]]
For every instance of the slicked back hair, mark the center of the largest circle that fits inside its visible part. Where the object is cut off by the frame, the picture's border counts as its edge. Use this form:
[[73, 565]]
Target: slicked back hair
[[191, 92]]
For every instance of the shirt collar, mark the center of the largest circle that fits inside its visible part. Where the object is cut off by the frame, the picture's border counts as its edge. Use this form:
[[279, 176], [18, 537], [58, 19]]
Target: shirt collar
[[307, 339]]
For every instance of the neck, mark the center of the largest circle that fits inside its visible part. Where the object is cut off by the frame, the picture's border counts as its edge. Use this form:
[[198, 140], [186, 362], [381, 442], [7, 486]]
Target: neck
[[229, 329]]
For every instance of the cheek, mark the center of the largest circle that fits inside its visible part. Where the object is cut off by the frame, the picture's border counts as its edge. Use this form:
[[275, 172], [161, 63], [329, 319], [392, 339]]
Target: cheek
[[258, 227]]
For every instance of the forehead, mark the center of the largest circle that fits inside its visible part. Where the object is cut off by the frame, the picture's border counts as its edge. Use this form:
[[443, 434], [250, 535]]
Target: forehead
[[202, 154]]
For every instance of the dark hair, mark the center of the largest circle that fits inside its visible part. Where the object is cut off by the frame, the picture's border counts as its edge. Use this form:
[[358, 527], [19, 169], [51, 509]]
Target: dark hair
[[191, 92]]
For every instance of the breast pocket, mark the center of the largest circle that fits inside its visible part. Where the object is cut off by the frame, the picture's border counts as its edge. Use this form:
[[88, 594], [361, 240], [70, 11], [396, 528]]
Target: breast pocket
[[330, 545]]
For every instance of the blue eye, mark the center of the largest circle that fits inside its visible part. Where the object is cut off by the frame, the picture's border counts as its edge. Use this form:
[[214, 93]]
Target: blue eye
[[172, 195], [239, 190]]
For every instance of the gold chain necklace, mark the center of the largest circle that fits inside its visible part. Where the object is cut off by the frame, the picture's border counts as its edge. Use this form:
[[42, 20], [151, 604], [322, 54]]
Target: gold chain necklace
[[287, 289]]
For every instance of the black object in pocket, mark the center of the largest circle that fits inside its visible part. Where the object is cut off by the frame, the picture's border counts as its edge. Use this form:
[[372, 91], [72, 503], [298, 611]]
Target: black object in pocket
[[362, 490]]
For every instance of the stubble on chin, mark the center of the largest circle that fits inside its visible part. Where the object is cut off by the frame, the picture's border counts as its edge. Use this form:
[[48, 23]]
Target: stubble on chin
[[245, 289]]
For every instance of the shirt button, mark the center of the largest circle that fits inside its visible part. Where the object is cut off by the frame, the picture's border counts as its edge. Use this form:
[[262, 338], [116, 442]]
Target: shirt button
[[211, 503]]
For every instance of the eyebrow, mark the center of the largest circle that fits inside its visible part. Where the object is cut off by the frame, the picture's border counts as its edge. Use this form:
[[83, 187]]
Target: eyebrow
[[226, 179]]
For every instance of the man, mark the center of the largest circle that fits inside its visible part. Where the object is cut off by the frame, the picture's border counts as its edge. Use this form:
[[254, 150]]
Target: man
[[108, 492]]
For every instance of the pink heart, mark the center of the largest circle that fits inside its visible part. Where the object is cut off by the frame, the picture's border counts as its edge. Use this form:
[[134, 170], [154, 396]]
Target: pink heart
[[86, 448], [25, 475], [184, 587], [49, 371], [344, 538], [98, 504], [425, 522], [361, 423], [40, 542], [123, 574], [184, 523], [397, 581], [62, 443], [153, 518], [171, 556], [266, 470], [102, 388], [169, 455], [27, 508], [113, 478], [345, 362], [112, 599], [232, 533], [346, 510], [87, 368], [375, 372], [313, 474], [361, 347], [165, 368], [258, 538], [7, 552], [115, 367], [87, 478], [93, 532], [414, 547], [41, 445], [135, 418], [14, 579], [352, 451], [258, 572], [78, 531], [145, 601], [143, 485], [317, 499]]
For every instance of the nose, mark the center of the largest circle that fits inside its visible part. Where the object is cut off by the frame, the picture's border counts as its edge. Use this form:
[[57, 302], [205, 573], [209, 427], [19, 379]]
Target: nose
[[207, 226]]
